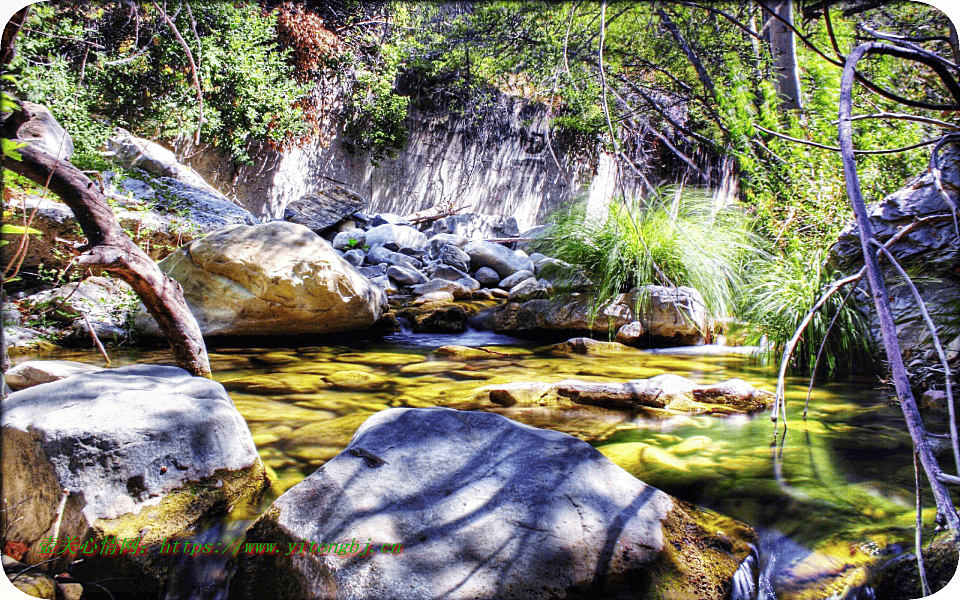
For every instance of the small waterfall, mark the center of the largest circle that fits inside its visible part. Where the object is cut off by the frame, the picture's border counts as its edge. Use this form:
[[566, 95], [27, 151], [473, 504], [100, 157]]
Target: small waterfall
[[747, 578]]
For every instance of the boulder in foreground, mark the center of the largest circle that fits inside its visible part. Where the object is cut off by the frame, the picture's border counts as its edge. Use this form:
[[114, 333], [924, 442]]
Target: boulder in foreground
[[439, 503], [277, 278], [144, 453]]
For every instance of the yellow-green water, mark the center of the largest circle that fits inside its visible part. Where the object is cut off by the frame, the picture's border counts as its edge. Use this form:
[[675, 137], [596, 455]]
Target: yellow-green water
[[840, 482]]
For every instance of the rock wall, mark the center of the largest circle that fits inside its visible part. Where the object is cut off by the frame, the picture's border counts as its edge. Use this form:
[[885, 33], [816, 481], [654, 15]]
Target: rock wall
[[505, 172], [930, 253]]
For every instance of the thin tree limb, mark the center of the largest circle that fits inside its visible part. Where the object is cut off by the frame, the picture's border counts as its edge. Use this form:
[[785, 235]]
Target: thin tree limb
[[705, 78], [918, 527], [905, 117], [193, 65], [866, 82], [837, 149], [938, 179], [823, 346]]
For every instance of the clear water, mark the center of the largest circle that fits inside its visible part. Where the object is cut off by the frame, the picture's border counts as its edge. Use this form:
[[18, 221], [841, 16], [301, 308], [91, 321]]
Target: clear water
[[830, 496]]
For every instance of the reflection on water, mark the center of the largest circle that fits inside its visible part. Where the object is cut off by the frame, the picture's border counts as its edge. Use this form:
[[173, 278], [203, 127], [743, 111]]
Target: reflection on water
[[828, 498]]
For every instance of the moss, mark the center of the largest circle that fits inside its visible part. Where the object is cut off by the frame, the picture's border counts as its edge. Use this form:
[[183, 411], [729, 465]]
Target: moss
[[898, 578], [701, 552], [181, 509]]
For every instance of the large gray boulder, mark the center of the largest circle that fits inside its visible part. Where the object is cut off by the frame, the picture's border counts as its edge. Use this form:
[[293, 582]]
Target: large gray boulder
[[402, 235], [323, 209], [144, 451], [469, 505], [437, 242], [206, 210], [134, 152], [277, 278], [42, 131], [930, 252], [675, 316], [501, 259]]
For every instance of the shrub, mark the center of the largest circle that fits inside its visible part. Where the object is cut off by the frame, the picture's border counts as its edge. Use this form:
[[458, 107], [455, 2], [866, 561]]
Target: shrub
[[778, 295], [674, 236]]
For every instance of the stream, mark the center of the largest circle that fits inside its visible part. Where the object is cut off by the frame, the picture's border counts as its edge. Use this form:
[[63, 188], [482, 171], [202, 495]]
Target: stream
[[828, 498]]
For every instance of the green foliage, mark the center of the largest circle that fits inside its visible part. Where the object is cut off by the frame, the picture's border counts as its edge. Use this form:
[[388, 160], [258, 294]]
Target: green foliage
[[778, 295], [673, 237], [376, 121], [137, 76]]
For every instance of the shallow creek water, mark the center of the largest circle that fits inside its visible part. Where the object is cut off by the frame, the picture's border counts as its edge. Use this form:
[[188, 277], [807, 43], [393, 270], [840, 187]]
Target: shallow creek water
[[832, 495]]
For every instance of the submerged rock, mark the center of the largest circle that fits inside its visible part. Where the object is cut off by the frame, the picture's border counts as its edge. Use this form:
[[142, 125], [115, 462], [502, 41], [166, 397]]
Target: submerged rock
[[435, 317], [144, 452], [472, 505], [35, 372], [277, 278], [671, 393], [667, 316]]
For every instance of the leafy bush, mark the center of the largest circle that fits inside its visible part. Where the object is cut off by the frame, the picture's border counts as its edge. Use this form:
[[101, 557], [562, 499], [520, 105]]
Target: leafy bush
[[113, 71], [778, 295], [672, 237]]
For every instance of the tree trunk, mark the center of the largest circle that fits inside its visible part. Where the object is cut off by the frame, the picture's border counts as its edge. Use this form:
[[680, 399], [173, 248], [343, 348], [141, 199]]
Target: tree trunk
[[783, 48], [109, 248]]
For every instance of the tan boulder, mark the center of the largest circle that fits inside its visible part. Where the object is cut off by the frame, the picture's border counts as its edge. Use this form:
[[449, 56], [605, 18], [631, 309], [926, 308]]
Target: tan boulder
[[277, 278]]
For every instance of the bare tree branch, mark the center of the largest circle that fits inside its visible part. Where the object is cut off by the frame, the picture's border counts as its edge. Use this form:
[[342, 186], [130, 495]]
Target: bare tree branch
[[193, 65], [908, 404], [837, 149]]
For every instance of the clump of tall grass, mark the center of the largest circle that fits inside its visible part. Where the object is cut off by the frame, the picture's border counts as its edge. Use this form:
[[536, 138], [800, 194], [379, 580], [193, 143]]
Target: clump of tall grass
[[673, 237], [778, 295]]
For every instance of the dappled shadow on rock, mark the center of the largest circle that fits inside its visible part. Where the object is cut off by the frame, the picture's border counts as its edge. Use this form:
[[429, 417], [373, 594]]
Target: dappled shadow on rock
[[439, 503]]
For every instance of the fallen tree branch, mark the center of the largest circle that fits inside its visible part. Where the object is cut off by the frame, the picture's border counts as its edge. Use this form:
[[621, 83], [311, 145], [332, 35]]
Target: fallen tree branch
[[945, 509]]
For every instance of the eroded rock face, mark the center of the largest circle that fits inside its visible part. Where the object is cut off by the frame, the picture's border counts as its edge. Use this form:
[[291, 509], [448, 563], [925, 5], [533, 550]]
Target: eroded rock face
[[143, 451], [42, 131], [472, 505], [277, 278]]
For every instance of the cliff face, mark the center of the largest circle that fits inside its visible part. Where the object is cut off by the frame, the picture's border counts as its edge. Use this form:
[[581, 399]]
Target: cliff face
[[508, 171]]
